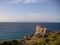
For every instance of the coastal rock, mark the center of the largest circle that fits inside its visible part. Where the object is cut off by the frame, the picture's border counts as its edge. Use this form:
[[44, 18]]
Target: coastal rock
[[40, 30], [45, 30]]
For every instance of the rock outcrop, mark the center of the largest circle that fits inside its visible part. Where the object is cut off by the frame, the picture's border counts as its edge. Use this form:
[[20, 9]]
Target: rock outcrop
[[40, 30]]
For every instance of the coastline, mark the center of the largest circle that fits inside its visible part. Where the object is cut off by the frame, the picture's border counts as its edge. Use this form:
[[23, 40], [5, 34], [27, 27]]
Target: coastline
[[52, 36], [42, 36]]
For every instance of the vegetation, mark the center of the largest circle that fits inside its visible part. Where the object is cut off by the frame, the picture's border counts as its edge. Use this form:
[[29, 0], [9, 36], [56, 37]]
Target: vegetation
[[51, 38]]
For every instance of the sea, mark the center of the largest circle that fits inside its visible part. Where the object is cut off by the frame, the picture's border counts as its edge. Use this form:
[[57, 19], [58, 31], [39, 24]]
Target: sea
[[17, 30]]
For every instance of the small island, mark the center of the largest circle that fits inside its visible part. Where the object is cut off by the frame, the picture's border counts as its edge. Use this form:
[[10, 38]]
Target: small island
[[42, 36]]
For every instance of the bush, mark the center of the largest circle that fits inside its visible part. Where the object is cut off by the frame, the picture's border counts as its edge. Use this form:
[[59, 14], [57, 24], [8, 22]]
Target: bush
[[4, 43]]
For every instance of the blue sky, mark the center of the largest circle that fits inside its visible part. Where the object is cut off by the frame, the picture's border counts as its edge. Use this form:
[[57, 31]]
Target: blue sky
[[29, 10]]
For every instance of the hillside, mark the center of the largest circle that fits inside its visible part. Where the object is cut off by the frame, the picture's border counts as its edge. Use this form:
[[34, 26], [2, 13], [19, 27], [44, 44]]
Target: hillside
[[51, 38]]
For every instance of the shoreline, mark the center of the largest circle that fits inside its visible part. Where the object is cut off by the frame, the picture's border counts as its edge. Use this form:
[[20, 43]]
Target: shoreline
[[27, 40]]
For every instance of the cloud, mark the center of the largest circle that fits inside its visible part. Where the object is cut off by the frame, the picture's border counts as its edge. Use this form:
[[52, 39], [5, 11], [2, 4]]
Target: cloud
[[28, 1], [35, 1], [31, 1], [16, 1], [43, 17]]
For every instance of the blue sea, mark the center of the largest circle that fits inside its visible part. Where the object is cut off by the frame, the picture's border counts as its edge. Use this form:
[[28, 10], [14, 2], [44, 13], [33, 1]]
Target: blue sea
[[17, 30]]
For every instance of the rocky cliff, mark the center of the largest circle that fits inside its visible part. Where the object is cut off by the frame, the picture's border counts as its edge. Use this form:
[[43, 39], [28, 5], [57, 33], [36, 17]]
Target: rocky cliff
[[40, 30]]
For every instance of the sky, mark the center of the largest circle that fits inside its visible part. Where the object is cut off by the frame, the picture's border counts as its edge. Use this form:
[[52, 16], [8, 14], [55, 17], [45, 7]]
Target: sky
[[29, 10]]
